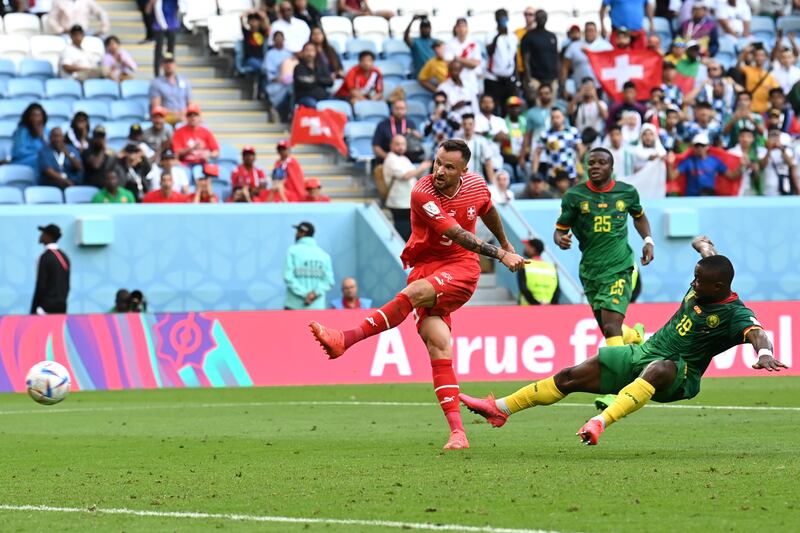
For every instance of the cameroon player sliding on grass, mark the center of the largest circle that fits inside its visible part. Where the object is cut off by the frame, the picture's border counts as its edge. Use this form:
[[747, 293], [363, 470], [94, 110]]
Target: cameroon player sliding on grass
[[666, 368]]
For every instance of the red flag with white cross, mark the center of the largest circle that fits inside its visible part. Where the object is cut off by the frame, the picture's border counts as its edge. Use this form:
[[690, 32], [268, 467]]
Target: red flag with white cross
[[616, 67], [312, 126]]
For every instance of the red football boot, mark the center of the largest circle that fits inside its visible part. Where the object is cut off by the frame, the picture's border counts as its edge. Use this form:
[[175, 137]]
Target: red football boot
[[590, 432], [457, 441], [331, 340], [486, 408]]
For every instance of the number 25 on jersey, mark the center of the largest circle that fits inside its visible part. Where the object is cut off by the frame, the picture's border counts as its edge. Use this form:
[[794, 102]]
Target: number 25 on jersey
[[602, 224]]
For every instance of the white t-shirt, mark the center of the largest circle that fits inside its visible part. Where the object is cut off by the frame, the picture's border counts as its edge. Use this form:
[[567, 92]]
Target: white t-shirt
[[394, 168], [503, 62], [456, 93], [469, 49], [78, 57], [775, 168], [295, 32], [735, 15], [180, 178], [501, 197], [587, 115], [746, 188], [491, 125], [786, 77]]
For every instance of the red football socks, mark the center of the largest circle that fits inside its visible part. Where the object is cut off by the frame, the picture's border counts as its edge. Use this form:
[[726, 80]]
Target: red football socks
[[445, 385], [387, 317]]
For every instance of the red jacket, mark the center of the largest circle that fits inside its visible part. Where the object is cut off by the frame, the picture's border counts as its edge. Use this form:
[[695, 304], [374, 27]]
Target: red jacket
[[369, 82], [157, 197], [294, 184], [198, 138]]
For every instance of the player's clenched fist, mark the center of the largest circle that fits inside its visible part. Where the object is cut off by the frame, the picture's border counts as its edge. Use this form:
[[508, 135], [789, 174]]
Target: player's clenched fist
[[513, 261], [565, 241]]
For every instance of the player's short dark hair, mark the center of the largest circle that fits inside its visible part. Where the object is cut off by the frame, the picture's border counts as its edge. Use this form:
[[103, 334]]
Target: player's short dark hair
[[603, 150], [365, 53], [457, 145], [537, 245], [628, 85], [718, 266]]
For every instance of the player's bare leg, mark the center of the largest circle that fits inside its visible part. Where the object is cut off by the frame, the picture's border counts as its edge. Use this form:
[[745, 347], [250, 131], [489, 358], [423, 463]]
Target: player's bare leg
[[419, 293], [435, 334], [657, 376]]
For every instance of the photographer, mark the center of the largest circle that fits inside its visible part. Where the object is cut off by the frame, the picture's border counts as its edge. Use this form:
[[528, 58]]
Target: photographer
[[502, 50], [586, 109], [422, 46], [780, 171], [743, 119], [442, 124]]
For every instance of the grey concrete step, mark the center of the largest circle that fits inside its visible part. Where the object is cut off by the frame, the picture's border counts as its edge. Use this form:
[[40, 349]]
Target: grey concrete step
[[487, 281]]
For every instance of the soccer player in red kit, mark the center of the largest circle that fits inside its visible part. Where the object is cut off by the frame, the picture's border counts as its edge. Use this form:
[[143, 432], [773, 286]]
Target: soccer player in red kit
[[442, 250]]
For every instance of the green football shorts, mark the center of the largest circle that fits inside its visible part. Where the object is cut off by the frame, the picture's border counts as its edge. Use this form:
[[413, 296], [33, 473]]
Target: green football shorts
[[621, 365], [609, 291]]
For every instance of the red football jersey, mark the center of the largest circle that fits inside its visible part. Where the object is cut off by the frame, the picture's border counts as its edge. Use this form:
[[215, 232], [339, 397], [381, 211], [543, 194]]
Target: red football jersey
[[433, 213]]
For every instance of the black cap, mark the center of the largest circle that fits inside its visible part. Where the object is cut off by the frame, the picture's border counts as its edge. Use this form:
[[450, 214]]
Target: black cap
[[305, 227], [99, 131], [54, 231], [130, 148], [136, 129], [168, 154]]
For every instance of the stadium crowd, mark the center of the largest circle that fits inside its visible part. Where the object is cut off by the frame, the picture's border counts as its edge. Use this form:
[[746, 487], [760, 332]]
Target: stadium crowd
[[526, 100]]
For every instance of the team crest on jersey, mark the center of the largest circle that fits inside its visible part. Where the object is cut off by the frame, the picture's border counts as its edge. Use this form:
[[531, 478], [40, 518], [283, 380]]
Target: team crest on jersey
[[620, 205], [584, 207], [602, 205], [712, 321], [698, 310], [431, 208], [471, 212], [447, 275]]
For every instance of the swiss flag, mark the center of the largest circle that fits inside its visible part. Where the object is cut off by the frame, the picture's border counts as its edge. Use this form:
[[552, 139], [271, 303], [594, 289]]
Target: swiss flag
[[312, 126], [615, 67], [722, 186]]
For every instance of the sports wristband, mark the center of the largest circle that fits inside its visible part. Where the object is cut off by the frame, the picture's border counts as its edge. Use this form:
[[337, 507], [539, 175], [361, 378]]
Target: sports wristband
[[649, 240], [765, 351]]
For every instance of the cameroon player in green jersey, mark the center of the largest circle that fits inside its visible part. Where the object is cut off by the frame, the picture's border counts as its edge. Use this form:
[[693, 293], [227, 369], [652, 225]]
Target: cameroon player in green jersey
[[666, 368], [597, 214]]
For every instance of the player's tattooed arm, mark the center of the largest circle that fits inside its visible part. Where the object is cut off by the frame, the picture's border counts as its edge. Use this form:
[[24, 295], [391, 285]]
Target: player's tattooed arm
[[495, 225], [468, 240], [766, 360]]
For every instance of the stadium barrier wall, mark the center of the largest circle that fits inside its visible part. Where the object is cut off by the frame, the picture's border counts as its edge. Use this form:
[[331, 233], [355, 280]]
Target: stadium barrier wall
[[759, 234], [268, 348]]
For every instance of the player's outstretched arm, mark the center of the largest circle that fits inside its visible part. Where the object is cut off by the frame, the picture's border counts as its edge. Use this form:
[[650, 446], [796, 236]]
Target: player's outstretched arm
[[467, 240], [495, 225], [766, 360], [704, 246], [642, 226]]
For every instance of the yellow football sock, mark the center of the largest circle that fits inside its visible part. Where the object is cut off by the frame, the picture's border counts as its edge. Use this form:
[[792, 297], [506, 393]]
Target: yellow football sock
[[543, 392], [631, 336], [630, 399], [614, 341]]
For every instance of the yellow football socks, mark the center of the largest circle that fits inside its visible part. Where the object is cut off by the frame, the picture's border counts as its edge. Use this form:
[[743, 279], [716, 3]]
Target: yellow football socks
[[629, 400], [543, 392], [631, 336], [614, 341]]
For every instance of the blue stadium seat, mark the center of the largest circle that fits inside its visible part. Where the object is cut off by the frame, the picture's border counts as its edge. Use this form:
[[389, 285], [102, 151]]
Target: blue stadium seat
[[221, 189], [97, 110], [137, 90], [662, 28], [353, 47], [415, 91], [128, 110], [359, 139], [417, 111], [228, 154], [17, 175], [389, 86], [80, 194], [10, 195], [63, 89], [43, 194], [7, 128], [8, 69], [5, 150], [116, 144], [101, 89], [12, 109], [392, 70], [57, 110], [36, 68], [763, 28], [3, 87], [338, 105], [226, 171], [30, 87], [371, 110], [788, 24], [117, 129]]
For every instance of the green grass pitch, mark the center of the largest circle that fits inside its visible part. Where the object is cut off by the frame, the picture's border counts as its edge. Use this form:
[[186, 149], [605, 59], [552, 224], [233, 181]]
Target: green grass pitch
[[312, 453]]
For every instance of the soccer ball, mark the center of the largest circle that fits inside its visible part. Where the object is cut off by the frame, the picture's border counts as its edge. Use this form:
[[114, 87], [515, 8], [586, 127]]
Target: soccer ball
[[48, 382]]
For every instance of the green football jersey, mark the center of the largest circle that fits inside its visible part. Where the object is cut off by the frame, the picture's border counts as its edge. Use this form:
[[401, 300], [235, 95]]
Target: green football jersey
[[698, 332], [599, 220]]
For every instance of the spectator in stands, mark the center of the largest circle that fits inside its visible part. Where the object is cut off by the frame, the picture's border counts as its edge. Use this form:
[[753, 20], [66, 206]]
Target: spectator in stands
[[628, 103], [575, 59], [314, 191], [701, 28], [168, 164], [278, 78], [671, 134], [78, 133], [421, 47], [111, 192], [628, 14], [587, 109], [65, 14], [117, 61], [80, 63], [705, 123], [97, 159], [147, 20], [501, 194], [435, 70], [159, 135], [559, 148], [311, 78], [620, 151], [121, 302], [701, 169], [482, 150], [516, 125], [400, 175], [784, 63], [13, 6], [538, 280], [743, 118], [442, 123], [758, 78], [165, 194], [491, 126], [396, 124], [308, 272], [747, 148], [287, 175], [539, 57], [327, 54], [250, 56], [350, 298], [30, 136], [354, 8], [775, 8], [194, 143], [461, 98], [781, 113], [308, 13], [648, 148], [467, 52], [536, 189], [561, 183], [734, 17], [362, 82], [132, 170], [295, 31], [779, 166], [240, 195], [500, 71], [170, 91], [248, 175], [136, 137], [537, 120], [204, 193], [166, 24], [59, 163]]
